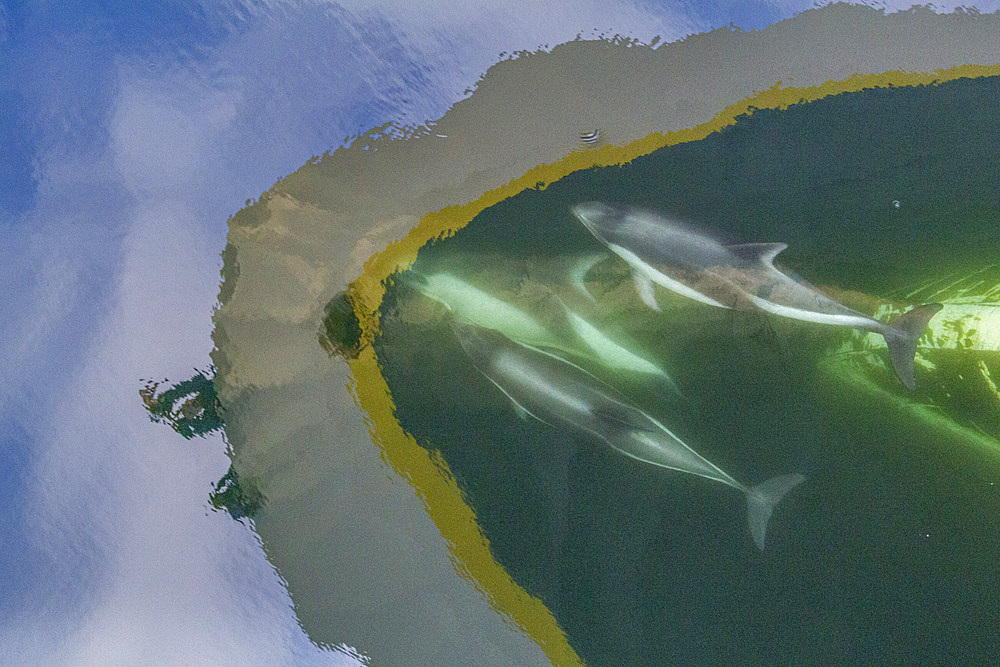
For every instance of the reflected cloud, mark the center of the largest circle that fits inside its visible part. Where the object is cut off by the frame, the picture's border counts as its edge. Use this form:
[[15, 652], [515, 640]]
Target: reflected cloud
[[148, 130]]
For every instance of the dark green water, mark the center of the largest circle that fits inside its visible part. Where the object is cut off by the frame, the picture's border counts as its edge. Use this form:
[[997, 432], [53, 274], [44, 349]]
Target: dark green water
[[890, 550]]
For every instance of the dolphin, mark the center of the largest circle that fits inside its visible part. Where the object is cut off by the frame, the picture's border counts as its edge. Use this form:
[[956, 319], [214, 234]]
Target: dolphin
[[473, 304], [616, 355], [559, 393], [483, 309], [693, 264]]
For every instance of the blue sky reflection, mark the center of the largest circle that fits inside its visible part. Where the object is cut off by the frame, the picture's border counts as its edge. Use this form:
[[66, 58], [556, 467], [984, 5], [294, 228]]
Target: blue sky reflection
[[129, 136]]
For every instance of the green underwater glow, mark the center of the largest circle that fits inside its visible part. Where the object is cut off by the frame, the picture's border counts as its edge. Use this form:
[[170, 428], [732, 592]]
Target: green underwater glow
[[957, 358], [762, 395]]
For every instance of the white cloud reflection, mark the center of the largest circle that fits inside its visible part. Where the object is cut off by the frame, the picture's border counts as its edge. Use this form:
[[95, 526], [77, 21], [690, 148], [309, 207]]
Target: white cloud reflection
[[113, 276]]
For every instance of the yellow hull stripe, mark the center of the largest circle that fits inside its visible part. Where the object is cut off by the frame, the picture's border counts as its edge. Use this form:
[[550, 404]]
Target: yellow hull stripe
[[428, 473]]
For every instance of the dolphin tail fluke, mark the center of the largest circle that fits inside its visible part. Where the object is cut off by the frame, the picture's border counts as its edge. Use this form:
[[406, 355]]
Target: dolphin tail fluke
[[901, 338], [763, 498]]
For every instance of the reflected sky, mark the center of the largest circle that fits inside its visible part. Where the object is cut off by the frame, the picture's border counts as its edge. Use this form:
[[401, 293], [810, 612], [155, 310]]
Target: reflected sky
[[129, 137]]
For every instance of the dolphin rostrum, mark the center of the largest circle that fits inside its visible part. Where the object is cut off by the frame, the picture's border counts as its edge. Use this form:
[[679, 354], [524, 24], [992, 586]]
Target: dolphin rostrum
[[563, 395], [693, 264]]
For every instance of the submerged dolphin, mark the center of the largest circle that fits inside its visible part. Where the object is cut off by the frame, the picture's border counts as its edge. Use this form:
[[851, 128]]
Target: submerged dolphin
[[690, 263], [472, 304], [615, 355], [564, 395]]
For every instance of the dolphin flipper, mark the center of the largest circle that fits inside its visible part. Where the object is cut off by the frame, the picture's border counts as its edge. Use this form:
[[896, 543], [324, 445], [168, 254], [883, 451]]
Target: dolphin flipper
[[762, 499], [644, 286], [578, 273], [901, 337], [522, 412]]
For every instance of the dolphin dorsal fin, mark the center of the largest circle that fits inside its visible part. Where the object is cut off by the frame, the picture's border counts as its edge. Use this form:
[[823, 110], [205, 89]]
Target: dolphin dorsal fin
[[762, 252]]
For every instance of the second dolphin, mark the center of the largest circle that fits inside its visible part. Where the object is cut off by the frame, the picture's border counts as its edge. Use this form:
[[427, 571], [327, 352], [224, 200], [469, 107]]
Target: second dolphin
[[561, 394]]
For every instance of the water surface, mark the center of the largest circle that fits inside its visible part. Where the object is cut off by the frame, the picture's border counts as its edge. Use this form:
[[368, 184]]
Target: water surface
[[888, 551]]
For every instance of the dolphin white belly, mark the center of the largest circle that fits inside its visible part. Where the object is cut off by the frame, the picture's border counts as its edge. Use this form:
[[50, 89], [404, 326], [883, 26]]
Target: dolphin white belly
[[837, 319], [660, 278]]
